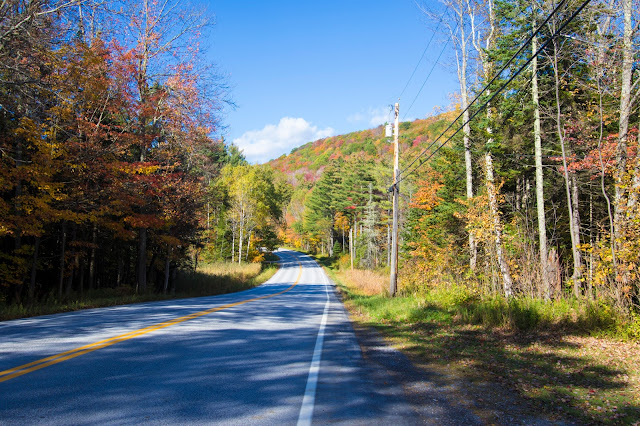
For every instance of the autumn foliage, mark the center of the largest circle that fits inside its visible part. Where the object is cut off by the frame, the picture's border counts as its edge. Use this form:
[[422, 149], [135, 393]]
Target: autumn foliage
[[105, 147]]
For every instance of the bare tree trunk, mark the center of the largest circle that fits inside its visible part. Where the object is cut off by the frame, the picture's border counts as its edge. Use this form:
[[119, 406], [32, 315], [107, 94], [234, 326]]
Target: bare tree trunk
[[466, 130], [476, 35], [592, 244], [120, 274], [81, 277], [151, 271], [75, 264], [81, 24], [632, 201], [208, 219], [174, 274], [246, 257], [577, 260], [167, 269], [612, 228], [625, 112], [330, 244], [473, 249], [240, 237], [353, 240], [141, 284], [62, 255], [92, 256], [575, 241], [351, 248], [460, 37], [507, 282], [542, 222], [34, 269], [233, 242]]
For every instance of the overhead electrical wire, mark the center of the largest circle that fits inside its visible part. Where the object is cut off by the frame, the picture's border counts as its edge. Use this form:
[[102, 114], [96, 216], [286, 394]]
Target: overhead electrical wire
[[495, 77], [484, 89], [522, 68], [426, 79], [424, 52]]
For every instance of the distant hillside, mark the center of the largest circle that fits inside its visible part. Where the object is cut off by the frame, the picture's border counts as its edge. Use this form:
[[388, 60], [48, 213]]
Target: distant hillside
[[306, 163]]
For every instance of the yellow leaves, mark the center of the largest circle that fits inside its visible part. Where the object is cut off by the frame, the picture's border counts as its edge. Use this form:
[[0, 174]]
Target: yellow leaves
[[586, 248], [4, 231], [341, 222], [478, 218], [138, 168], [27, 129], [426, 197]]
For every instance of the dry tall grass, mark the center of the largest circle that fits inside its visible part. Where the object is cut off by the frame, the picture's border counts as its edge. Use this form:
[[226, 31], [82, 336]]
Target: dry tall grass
[[367, 282], [209, 280], [220, 278], [243, 271]]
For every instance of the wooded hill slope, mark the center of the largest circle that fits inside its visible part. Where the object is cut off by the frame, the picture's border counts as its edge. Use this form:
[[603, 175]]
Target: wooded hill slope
[[306, 163]]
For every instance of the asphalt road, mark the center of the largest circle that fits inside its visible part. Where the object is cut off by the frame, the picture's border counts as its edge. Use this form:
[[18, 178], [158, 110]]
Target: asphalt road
[[282, 353]]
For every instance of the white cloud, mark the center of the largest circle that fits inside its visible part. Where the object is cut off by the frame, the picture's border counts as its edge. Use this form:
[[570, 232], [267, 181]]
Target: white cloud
[[272, 141], [372, 117], [354, 118], [379, 116]]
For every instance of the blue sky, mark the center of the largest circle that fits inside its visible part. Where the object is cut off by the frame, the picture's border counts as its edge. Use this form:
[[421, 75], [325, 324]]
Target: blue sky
[[303, 70]]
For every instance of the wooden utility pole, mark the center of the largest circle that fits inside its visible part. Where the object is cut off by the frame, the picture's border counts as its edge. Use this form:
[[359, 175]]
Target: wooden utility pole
[[396, 192]]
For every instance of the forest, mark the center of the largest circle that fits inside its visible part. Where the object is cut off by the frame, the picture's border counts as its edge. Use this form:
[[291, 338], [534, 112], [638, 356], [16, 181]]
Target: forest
[[112, 173], [536, 196]]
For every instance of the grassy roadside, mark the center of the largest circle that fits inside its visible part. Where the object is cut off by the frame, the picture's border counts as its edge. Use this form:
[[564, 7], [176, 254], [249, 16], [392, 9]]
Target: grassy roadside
[[208, 280], [556, 366]]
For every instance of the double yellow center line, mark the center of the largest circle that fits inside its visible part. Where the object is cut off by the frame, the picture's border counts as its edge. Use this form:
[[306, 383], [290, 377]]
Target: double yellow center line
[[55, 359]]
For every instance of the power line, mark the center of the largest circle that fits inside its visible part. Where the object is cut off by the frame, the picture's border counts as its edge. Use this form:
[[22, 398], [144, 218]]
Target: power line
[[522, 68], [426, 79], [421, 58], [495, 77]]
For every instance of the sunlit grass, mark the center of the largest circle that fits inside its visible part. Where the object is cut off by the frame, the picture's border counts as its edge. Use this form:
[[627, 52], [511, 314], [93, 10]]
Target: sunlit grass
[[221, 278], [565, 359], [242, 271], [367, 282]]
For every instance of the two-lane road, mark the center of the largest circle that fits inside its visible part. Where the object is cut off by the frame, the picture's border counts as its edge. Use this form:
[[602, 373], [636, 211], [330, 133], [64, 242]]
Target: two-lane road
[[282, 353]]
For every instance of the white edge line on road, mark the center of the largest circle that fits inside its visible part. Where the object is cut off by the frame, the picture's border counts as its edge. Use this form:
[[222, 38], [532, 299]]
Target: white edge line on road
[[308, 402]]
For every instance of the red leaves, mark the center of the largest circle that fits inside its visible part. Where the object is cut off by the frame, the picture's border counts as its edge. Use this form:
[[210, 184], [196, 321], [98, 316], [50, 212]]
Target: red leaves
[[148, 221]]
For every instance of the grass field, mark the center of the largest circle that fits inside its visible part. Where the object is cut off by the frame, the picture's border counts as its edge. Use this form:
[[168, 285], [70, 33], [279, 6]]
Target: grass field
[[568, 360]]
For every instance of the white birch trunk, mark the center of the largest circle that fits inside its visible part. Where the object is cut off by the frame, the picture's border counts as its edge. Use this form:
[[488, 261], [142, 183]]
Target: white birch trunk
[[625, 112], [240, 236], [542, 228], [462, 57], [507, 282]]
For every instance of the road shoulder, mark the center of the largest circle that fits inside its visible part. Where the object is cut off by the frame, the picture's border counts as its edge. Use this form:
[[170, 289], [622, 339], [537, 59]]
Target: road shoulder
[[438, 395]]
